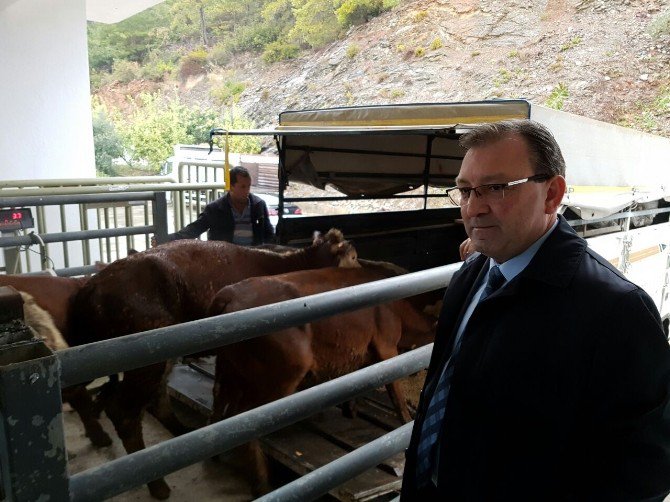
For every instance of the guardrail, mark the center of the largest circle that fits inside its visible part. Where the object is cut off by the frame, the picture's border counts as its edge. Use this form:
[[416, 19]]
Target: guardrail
[[83, 363], [96, 211]]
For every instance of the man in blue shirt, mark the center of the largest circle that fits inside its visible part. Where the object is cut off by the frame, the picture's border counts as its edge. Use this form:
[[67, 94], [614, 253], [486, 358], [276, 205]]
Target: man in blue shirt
[[238, 217], [550, 375]]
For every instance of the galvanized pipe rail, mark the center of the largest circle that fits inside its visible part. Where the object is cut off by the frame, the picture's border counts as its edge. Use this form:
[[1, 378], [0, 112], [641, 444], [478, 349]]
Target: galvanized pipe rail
[[156, 461], [87, 362], [320, 481], [84, 181], [78, 235], [111, 188]]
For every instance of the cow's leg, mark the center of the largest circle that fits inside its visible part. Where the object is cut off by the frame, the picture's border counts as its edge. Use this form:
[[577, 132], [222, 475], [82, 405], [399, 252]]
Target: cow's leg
[[160, 407], [386, 347], [81, 402], [126, 408], [399, 401], [254, 373]]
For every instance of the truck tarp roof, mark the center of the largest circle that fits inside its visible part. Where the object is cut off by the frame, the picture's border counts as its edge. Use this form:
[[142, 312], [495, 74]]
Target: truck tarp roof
[[381, 150]]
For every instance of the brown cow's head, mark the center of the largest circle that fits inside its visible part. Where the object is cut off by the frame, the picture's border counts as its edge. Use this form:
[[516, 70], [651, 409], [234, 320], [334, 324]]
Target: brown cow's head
[[343, 252]]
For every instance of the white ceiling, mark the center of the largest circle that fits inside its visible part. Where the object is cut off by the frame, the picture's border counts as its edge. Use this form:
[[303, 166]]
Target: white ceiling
[[113, 11], [106, 11]]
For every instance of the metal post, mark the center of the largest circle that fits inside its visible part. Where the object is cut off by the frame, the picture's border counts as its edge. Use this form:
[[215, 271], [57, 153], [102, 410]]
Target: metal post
[[12, 257], [32, 450], [160, 217]]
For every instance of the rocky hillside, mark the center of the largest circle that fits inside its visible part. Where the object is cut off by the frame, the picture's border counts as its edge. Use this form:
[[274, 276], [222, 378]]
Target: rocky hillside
[[605, 59]]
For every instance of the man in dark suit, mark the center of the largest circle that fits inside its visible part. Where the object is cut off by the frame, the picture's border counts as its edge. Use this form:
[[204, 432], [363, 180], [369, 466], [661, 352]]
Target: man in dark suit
[[550, 375], [239, 216]]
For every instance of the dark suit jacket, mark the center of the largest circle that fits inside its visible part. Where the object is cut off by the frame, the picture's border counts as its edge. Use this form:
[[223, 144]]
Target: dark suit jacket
[[218, 220], [561, 387]]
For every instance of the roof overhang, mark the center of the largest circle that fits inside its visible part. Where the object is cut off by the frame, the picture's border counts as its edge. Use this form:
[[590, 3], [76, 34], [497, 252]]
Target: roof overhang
[[113, 11]]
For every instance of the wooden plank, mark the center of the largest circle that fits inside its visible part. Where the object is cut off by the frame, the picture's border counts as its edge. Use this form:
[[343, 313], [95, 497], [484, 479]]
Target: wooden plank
[[303, 451], [352, 433]]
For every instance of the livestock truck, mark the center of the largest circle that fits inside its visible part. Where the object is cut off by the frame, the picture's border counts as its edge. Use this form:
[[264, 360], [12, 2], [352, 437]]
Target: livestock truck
[[395, 161]]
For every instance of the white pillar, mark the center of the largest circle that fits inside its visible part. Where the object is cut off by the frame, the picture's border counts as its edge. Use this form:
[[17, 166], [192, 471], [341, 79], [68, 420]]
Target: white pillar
[[45, 113]]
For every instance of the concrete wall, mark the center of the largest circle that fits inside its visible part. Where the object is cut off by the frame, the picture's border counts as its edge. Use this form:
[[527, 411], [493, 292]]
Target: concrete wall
[[45, 126]]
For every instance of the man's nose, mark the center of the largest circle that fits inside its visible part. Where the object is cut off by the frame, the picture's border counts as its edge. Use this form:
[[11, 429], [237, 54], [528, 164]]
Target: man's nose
[[476, 205]]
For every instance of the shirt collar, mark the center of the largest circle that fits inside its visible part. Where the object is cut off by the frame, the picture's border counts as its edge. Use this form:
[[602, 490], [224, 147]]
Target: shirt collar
[[514, 266]]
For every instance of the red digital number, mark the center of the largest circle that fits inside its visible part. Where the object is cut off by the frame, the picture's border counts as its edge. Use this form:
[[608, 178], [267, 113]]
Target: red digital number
[[17, 216]]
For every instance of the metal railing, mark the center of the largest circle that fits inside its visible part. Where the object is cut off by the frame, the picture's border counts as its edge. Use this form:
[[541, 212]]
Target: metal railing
[[106, 214], [83, 363]]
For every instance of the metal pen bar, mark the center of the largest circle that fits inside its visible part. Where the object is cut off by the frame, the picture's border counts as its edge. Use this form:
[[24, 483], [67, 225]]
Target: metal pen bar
[[51, 200], [320, 481], [105, 189], [25, 240], [84, 181], [626, 214], [156, 461], [87, 362]]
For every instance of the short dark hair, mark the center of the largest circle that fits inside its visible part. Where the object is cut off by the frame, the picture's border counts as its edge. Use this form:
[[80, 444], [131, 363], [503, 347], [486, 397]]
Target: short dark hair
[[546, 156], [238, 171]]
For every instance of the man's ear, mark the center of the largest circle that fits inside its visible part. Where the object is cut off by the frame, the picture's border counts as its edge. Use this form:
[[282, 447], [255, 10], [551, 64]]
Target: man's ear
[[555, 191]]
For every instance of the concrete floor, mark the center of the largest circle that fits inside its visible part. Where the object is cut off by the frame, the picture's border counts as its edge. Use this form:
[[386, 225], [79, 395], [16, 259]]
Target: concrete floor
[[203, 481]]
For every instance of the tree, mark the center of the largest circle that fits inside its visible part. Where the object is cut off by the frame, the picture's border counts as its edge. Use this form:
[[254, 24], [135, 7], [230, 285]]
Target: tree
[[315, 22], [108, 144]]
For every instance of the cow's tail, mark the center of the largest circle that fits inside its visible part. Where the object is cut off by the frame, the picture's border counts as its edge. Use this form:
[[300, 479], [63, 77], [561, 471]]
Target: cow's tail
[[42, 323]]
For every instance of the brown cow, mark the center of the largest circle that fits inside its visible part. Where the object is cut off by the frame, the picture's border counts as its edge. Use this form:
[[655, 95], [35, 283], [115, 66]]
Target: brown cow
[[48, 300], [171, 284], [53, 294], [257, 371]]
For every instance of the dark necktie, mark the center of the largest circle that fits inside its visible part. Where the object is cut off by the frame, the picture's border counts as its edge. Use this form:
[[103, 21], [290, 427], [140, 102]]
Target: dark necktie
[[435, 412], [495, 280]]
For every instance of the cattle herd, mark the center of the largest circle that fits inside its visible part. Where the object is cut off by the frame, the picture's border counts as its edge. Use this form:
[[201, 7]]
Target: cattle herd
[[187, 280]]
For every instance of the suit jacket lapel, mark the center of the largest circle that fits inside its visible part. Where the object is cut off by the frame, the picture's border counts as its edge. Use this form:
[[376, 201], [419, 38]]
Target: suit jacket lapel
[[456, 300]]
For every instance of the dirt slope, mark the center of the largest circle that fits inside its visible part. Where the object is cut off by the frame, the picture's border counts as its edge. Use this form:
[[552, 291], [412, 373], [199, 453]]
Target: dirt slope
[[600, 52]]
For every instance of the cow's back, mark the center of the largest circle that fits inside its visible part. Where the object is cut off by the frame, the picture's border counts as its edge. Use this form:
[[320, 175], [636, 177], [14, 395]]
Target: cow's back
[[53, 294], [135, 294]]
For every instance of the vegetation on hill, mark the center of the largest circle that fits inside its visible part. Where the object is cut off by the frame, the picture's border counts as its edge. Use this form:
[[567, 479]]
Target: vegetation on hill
[[180, 39], [185, 37], [193, 61]]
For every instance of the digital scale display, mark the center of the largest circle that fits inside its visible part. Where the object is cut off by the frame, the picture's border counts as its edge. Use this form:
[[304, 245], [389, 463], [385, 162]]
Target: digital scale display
[[15, 219]]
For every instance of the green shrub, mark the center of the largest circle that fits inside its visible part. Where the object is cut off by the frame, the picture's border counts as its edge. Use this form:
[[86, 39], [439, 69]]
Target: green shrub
[[419, 52], [662, 101], [96, 79], [557, 97], [193, 63], [355, 12], [352, 51], [661, 25], [220, 54], [419, 16], [107, 142], [155, 124], [228, 93], [315, 23], [573, 42], [234, 119], [436, 44], [125, 71], [279, 51], [157, 70]]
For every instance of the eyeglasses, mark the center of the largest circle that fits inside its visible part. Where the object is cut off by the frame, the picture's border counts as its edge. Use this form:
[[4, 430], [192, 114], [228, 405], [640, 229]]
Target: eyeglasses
[[491, 192]]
